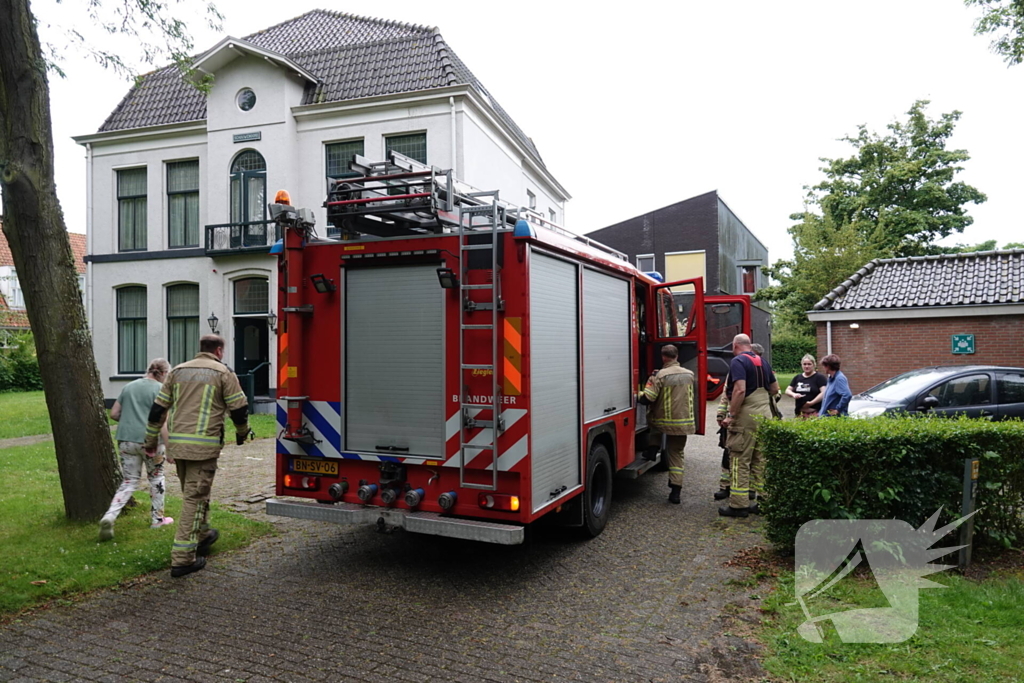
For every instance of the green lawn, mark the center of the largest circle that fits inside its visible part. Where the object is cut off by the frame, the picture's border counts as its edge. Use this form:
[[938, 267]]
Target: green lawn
[[784, 378], [24, 414], [969, 631], [45, 556]]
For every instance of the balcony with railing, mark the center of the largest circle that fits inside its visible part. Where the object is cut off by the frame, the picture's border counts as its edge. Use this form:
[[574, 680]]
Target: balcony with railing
[[234, 238]]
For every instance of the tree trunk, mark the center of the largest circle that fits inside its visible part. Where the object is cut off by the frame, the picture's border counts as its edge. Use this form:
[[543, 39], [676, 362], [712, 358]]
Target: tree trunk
[[34, 225]]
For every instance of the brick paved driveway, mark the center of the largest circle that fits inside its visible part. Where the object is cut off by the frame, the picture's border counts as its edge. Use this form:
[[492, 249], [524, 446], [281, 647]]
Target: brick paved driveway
[[645, 601]]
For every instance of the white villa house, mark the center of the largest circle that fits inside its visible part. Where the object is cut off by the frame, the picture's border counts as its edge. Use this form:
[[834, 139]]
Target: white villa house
[[178, 181]]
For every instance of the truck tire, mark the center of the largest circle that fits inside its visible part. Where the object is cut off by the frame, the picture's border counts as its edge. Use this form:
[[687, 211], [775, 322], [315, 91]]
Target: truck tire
[[597, 497]]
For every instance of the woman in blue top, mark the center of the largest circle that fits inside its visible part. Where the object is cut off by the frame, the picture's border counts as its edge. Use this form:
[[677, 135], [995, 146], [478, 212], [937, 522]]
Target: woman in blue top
[[837, 393]]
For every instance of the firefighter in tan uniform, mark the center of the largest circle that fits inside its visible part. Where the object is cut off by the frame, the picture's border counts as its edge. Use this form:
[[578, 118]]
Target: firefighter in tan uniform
[[195, 399], [669, 397], [751, 388]]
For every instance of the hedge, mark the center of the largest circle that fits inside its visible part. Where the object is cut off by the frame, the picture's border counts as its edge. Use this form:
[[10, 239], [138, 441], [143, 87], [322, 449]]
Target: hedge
[[902, 467], [787, 352], [19, 368]]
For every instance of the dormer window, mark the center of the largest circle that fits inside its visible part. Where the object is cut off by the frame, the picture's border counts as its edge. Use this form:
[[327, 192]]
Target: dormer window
[[246, 99]]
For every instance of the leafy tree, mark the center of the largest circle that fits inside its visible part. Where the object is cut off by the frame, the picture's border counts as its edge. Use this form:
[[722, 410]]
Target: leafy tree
[[34, 225], [988, 245], [1005, 18], [894, 196]]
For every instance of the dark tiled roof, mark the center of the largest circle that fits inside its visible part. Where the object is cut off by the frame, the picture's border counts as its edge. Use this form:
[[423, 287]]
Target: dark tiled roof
[[980, 277], [352, 57]]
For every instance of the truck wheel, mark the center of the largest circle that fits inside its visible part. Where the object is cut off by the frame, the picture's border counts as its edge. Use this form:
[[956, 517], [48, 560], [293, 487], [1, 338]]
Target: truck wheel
[[597, 498]]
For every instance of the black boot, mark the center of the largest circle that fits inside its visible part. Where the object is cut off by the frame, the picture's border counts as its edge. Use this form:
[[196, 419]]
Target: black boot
[[650, 454], [178, 572], [674, 496], [722, 494], [754, 509], [727, 511]]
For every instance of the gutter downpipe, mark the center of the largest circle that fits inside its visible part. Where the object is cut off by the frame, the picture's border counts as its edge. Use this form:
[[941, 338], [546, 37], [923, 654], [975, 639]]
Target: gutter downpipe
[[451, 103], [828, 336], [88, 236]]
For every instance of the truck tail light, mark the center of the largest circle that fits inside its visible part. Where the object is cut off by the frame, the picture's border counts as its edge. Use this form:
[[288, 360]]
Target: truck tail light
[[301, 481], [499, 501]]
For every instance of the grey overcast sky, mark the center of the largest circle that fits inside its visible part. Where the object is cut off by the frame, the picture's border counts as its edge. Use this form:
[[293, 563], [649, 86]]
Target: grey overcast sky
[[639, 105]]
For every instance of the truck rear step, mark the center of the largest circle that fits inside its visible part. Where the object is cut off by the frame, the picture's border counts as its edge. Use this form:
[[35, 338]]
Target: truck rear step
[[429, 523]]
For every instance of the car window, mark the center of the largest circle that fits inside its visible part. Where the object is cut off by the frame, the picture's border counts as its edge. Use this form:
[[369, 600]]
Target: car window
[[903, 387], [1010, 387], [971, 390]]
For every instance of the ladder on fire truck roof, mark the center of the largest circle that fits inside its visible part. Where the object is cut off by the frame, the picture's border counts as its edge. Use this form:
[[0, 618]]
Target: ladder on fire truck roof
[[402, 197], [485, 217]]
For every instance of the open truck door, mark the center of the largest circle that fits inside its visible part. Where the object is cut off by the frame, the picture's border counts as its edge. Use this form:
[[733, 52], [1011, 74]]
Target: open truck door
[[676, 315], [724, 317]]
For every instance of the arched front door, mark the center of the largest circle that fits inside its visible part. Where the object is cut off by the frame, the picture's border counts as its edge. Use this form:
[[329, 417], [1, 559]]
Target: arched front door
[[249, 200]]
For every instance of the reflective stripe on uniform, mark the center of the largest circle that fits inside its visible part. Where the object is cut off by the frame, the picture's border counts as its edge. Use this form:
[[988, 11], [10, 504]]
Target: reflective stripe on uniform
[[234, 397], [204, 410], [185, 546], [194, 439]]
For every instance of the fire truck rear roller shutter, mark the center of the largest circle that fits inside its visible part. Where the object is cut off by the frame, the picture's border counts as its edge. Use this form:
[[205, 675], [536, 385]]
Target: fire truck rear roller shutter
[[606, 353], [394, 360]]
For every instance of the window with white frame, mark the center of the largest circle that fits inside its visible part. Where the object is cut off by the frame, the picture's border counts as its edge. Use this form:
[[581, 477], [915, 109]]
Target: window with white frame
[[645, 263], [531, 200], [131, 209], [183, 203], [552, 215], [17, 299], [182, 323], [131, 330]]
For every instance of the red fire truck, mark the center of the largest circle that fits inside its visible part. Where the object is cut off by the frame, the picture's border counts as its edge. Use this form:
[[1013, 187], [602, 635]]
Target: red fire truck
[[458, 366]]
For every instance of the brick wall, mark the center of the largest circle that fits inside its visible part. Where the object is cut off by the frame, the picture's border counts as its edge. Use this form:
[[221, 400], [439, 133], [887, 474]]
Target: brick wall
[[880, 349]]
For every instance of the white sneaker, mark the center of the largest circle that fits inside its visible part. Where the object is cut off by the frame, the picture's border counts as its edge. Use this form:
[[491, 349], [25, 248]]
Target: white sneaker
[[106, 528], [166, 521]]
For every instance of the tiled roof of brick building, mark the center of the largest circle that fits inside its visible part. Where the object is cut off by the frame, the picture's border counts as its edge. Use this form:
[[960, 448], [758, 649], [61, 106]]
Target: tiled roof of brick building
[[352, 56], [980, 277]]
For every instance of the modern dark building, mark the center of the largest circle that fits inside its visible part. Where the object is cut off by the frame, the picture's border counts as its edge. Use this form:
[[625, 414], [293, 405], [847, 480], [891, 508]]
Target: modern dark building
[[698, 237]]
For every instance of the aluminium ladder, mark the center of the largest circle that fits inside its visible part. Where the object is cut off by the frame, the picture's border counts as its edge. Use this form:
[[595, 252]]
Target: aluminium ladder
[[484, 218]]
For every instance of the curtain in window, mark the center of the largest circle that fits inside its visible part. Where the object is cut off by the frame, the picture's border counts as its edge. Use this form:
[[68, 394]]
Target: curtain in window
[[236, 199], [131, 209], [182, 322], [132, 223], [256, 195], [131, 182], [131, 330], [183, 196]]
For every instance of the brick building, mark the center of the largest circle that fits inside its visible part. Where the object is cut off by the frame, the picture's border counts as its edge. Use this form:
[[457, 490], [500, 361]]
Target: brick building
[[895, 315], [13, 317]]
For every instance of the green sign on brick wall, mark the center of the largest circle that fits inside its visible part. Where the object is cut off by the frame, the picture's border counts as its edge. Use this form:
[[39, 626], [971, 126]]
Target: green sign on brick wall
[[963, 343]]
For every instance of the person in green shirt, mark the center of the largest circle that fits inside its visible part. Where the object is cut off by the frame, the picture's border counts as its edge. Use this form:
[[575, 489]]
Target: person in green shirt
[[131, 412]]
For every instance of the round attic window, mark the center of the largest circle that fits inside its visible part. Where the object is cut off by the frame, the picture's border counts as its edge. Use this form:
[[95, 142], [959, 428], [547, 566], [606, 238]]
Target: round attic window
[[246, 99]]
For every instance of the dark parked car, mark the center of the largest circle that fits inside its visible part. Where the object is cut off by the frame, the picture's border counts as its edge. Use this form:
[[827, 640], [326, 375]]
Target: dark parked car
[[986, 391]]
